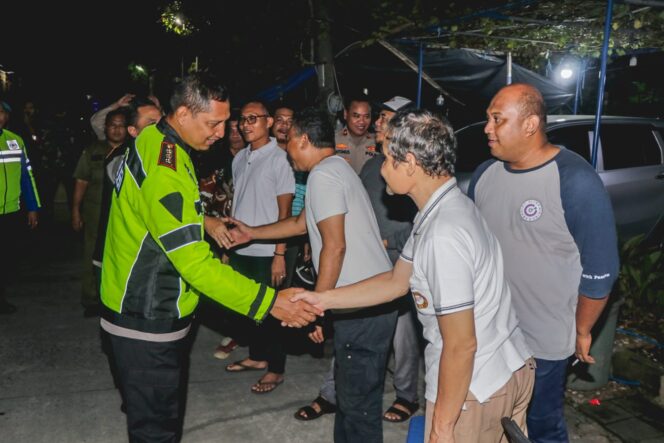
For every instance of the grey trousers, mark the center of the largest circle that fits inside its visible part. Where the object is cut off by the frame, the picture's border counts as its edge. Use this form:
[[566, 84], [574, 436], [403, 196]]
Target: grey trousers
[[406, 360]]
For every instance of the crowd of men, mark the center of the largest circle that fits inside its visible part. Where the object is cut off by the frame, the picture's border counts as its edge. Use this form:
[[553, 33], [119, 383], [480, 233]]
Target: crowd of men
[[507, 280]]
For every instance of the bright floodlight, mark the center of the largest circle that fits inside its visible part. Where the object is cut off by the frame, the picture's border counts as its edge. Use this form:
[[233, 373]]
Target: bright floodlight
[[178, 21], [140, 69], [566, 73]]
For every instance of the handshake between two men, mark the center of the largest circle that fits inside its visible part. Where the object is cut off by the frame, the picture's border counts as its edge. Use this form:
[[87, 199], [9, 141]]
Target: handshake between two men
[[295, 307]]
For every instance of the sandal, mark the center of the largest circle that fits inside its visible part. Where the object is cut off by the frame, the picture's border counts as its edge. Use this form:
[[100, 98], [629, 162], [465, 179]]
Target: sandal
[[412, 408], [307, 413], [242, 367], [260, 384]]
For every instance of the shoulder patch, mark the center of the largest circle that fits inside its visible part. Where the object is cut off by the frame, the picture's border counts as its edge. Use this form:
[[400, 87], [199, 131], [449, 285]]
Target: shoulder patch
[[173, 203], [167, 155]]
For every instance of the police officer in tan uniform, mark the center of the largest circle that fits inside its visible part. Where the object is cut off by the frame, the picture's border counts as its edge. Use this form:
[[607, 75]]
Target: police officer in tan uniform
[[86, 207], [353, 142]]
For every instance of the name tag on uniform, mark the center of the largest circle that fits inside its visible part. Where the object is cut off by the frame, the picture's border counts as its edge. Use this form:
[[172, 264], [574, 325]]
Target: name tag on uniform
[[167, 156]]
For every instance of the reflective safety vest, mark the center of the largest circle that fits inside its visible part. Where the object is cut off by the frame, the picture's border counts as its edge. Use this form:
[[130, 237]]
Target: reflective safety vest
[[156, 261], [16, 179]]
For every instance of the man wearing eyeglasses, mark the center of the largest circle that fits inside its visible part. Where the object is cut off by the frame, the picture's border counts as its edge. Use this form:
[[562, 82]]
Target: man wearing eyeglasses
[[264, 188]]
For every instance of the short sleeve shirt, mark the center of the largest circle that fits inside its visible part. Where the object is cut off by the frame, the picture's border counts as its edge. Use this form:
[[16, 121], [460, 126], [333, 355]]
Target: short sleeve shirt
[[458, 265], [356, 151], [333, 188], [90, 168], [556, 226], [259, 177]]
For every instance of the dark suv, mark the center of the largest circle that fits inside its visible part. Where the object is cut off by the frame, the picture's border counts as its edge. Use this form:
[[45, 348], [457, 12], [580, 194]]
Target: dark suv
[[630, 161]]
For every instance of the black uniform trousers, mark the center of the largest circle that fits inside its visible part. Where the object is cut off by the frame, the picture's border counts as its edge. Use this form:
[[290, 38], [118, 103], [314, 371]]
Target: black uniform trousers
[[361, 346], [12, 228], [153, 384]]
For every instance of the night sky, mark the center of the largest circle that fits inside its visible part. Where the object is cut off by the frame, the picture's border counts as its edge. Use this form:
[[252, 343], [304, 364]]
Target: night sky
[[46, 46], [253, 47]]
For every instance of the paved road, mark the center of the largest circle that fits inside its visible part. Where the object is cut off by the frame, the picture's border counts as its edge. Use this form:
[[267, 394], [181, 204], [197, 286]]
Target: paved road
[[55, 385]]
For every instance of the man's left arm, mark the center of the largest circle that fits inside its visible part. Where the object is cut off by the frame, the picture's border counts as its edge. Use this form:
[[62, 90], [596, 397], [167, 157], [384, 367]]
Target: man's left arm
[[29, 190], [455, 372], [590, 220], [284, 202], [450, 275], [588, 311]]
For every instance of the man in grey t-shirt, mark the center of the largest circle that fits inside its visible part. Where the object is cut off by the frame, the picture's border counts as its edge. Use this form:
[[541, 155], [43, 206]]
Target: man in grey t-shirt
[[346, 248], [553, 218]]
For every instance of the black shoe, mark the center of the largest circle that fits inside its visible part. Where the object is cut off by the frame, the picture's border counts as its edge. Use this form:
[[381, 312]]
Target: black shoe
[[92, 311], [6, 307]]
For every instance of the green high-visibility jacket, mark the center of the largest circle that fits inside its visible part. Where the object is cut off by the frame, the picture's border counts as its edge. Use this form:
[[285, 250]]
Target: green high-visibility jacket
[[16, 179], [156, 261]]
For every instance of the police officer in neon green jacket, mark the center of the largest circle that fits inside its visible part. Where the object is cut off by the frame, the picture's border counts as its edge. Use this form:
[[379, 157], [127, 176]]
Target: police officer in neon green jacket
[[156, 262], [16, 184]]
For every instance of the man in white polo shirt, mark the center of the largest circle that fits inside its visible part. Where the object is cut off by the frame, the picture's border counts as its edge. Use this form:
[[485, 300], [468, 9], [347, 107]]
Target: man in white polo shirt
[[264, 188], [478, 367]]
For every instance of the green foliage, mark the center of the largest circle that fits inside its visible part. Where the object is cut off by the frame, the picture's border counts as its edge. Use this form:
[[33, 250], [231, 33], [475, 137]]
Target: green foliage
[[174, 20], [643, 93], [533, 32], [641, 278]]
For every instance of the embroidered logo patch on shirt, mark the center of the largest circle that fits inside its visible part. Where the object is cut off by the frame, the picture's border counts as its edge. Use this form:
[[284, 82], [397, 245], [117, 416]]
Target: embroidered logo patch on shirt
[[420, 301], [13, 145], [531, 210], [167, 155]]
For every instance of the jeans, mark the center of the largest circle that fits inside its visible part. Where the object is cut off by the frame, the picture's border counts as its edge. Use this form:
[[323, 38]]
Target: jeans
[[361, 345], [406, 361], [546, 420]]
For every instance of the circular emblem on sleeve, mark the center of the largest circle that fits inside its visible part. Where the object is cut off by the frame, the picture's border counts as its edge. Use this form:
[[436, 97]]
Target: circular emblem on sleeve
[[420, 301], [531, 210]]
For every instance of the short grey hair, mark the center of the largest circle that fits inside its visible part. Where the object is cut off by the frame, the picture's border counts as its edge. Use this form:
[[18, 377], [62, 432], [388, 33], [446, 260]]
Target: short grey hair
[[430, 139]]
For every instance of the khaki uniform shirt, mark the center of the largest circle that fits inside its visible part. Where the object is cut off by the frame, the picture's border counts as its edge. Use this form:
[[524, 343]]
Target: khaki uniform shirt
[[356, 155], [90, 168]]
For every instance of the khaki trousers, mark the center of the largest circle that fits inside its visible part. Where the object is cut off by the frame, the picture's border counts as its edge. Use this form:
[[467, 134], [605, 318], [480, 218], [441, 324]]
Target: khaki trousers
[[480, 422]]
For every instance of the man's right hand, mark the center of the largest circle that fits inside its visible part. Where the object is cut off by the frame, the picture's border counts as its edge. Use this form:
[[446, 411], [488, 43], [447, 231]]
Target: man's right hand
[[241, 233], [216, 228], [317, 299], [294, 314], [124, 100]]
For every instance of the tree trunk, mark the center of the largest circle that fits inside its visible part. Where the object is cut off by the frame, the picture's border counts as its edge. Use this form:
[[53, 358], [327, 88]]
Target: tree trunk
[[324, 52]]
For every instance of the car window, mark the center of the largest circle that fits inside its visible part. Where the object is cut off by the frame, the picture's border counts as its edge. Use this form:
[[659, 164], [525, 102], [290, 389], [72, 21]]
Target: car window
[[472, 148], [575, 138], [629, 146]]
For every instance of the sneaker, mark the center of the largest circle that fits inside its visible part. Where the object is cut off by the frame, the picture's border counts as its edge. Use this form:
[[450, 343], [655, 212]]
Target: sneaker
[[225, 348]]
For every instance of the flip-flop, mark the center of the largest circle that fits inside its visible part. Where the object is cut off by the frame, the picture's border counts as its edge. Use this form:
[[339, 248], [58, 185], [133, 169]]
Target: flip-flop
[[242, 367], [274, 385], [412, 408], [311, 414]]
